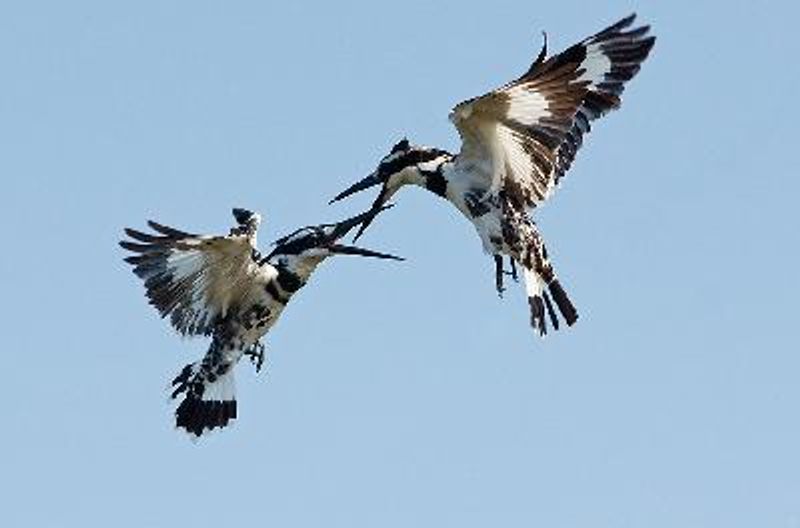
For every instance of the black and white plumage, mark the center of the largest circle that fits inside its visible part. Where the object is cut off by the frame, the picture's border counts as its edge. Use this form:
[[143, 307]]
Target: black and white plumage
[[517, 143], [221, 287]]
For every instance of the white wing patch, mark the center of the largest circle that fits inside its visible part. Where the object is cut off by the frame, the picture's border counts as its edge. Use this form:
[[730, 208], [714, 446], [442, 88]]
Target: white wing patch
[[521, 157], [196, 279], [526, 107], [596, 65], [187, 267], [530, 129], [613, 57]]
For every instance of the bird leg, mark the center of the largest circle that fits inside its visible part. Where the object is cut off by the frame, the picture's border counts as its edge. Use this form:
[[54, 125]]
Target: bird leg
[[498, 275], [256, 354], [513, 272]]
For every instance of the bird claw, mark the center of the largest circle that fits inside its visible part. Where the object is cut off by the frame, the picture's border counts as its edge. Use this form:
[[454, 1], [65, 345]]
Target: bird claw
[[513, 272], [498, 275], [256, 355], [500, 272]]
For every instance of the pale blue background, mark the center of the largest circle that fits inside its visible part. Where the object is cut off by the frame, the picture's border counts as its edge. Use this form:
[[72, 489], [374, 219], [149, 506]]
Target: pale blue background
[[400, 394]]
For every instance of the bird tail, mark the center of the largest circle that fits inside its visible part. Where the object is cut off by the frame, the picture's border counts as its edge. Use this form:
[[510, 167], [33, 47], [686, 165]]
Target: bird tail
[[539, 301], [208, 397]]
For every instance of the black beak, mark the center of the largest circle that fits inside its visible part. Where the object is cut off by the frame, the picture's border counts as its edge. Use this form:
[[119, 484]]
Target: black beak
[[377, 206], [370, 181], [342, 228], [341, 249]]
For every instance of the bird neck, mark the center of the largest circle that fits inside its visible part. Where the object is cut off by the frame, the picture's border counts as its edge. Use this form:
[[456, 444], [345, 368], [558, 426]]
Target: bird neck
[[295, 272], [290, 280], [431, 174]]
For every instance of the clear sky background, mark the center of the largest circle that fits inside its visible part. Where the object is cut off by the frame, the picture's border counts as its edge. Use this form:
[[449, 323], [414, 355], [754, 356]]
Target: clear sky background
[[400, 395]]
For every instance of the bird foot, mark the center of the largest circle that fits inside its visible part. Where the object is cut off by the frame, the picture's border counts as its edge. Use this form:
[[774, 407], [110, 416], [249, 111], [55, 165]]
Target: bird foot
[[256, 355], [513, 273], [498, 275]]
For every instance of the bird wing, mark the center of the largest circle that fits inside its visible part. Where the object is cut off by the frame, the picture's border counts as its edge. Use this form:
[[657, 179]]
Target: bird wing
[[620, 56], [525, 134], [196, 279]]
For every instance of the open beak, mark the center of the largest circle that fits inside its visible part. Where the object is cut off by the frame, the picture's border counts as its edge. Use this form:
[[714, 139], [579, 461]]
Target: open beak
[[341, 249], [370, 181], [342, 228]]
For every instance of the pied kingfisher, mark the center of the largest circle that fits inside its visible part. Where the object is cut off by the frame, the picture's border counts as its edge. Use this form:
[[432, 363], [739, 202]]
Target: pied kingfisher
[[517, 143], [221, 287]]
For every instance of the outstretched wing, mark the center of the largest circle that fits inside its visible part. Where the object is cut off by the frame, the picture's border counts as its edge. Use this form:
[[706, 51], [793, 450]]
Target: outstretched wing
[[524, 135], [196, 279], [619, 55]]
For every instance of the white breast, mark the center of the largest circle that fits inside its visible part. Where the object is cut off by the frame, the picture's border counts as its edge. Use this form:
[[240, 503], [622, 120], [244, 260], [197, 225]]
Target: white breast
[[475, 178]]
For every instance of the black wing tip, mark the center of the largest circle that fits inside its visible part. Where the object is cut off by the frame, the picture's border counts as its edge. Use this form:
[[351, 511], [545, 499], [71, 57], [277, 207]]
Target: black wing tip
[[616, 30], [169, 232], [143, 237], [159, 227], [134, 247], [146, 243], [624, 22], [648, 43]]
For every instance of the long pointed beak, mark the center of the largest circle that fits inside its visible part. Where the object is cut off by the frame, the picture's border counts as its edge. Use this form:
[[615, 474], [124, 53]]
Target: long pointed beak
[[342, 228], [366, 183], [341, 249], [377, 206]]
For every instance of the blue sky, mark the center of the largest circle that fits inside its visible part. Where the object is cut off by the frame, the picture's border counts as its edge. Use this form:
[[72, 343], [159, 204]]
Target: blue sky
[[401, 394]]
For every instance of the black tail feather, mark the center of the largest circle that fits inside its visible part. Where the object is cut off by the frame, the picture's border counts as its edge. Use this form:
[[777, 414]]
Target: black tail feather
[[550, 311], [561, 299], [194, 414], [198, 416], [538, 321]]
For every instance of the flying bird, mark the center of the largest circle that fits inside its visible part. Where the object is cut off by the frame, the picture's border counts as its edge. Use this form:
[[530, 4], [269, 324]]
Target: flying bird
[[222, 287], [517, 142]]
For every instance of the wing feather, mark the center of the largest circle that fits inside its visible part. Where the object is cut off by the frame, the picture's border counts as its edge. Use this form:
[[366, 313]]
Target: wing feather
[[195, 279], [616, 58], [530, 129]]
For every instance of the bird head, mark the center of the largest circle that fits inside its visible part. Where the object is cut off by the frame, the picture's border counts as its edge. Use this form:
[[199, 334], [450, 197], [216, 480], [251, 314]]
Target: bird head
[[307, 247], [405, 164], [248, 222]]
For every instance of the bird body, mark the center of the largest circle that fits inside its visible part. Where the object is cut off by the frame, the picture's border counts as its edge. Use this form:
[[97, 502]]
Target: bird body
[[517, 143], [221, 287]]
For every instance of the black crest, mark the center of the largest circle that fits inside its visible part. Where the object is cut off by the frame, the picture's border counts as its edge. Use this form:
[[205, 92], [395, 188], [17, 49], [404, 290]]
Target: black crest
[[242, 215], [401, 145]]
